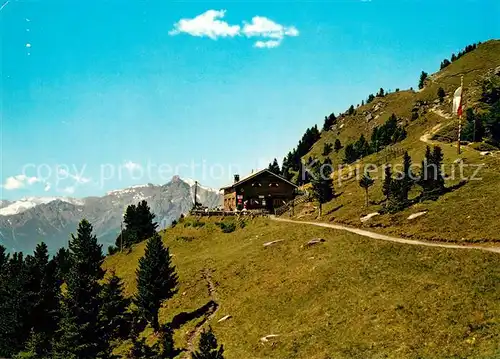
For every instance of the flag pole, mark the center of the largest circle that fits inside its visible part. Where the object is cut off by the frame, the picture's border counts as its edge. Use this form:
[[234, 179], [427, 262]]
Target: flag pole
[[460, 115]]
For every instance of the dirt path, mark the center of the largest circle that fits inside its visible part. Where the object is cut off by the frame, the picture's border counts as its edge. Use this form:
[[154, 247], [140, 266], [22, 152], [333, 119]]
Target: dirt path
[[365, 233], [195, 333], [426, 137]]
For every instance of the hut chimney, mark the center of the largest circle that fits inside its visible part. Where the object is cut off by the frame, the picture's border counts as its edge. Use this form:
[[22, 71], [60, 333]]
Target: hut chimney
[[236, 178]]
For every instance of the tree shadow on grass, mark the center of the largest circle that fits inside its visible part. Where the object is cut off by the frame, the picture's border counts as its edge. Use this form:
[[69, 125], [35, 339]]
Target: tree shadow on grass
[[182, 318], [334, 210]]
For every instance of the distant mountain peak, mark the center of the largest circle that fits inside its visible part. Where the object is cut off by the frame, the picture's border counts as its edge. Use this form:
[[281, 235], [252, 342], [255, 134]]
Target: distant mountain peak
[[25, 222]]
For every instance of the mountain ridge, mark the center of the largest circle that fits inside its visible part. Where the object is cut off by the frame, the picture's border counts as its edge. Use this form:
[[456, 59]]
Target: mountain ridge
[[53, 219]]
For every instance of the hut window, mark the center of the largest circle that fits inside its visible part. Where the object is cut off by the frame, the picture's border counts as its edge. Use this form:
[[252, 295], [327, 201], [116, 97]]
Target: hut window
[[273, 184], [256, 184]]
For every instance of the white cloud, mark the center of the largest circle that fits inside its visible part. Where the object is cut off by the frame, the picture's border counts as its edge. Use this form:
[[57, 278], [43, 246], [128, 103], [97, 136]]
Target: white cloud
[[269, 44], [131, 166], [264, 27], [19, 181], [207, 24]]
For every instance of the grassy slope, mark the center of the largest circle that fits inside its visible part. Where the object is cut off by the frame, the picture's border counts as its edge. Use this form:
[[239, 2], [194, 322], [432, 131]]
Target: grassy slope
[[467, 214], [350, 297]]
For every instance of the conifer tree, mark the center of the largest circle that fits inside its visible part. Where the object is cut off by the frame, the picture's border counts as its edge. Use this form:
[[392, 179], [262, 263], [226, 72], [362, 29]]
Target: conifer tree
[[156, 280], [441, 94], [362, 147], [79, 335], [208, 347], [274, 167], [43, 293], [329, 122], [62, 263], [437, 159], [423, 77], [113, 312], [327, 149], [366, 182], [4, 259], [350, 153], [431, 179], [322, 185], [166, 346], [147, 225], [337, 146], [407, 180], [14, 304], [386, 186]]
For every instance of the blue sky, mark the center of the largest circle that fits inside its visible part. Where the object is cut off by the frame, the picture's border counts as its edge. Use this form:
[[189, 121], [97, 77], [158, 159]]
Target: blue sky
[[100, 95]]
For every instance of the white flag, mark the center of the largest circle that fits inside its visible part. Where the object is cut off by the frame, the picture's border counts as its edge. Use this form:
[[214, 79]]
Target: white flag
[[457, 102]]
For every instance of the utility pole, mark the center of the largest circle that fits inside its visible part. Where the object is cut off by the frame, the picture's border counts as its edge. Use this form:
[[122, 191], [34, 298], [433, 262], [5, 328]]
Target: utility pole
[[461, 111]]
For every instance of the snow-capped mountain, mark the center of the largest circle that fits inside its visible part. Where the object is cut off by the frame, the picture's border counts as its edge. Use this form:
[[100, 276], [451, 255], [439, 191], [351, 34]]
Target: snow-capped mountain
[[30, 202], [28, 221]]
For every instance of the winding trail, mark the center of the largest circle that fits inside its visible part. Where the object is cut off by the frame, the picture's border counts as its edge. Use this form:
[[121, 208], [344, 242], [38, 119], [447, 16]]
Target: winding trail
[[208, 316], [426, 137], [369, 234]]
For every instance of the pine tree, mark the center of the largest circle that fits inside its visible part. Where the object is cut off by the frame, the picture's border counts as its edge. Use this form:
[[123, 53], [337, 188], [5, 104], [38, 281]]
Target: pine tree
[[139, 225], [437, 160], [156, 280], [423, 77], [337, 146], [362, 147], [441, 94], [431, 179], [366, 182], [62, 263], [208, 347], [329, 122], [407, 180], [14, 305], [79, 335], [274, 167], [44, 298], [112, 316], [4, 259], [351, 110], [322, 185], [474, 128], [350, 153], [166, 343], [386, 186], [147, 225], [327, 149]]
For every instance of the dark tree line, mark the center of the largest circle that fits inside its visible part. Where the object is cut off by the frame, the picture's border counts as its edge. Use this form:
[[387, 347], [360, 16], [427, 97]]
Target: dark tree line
[[396, 187], [67, 307], [292, 161], [485, 125], [389, 133], [329, 122], [454, 57]]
